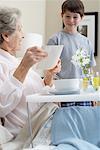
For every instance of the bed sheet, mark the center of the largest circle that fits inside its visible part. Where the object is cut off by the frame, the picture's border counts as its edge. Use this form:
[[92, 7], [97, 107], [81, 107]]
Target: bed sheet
[[42, 139]]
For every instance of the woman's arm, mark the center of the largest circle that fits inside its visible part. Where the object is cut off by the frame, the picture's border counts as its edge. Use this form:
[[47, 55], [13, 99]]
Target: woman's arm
[[31, 57], [10, 93], [11, 87]]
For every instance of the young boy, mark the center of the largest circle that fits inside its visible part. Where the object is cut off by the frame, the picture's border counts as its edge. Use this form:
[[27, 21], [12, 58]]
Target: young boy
[[72, 14]]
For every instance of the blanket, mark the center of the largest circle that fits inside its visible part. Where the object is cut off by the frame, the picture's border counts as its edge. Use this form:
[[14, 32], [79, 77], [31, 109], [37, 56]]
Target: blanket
[[23, 140], [76, 128], [75, 144]]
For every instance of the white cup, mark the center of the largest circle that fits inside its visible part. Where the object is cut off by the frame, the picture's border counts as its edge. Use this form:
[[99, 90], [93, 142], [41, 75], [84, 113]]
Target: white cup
[[54, 52]]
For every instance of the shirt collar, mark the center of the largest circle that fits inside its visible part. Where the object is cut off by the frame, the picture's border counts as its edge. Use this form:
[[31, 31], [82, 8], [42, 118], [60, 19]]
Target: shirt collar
[[8, 56]]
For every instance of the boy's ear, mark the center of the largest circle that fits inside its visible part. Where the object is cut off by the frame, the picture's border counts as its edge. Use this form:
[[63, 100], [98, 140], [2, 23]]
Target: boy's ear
[[82, 17], [61, 14], [5, 36]]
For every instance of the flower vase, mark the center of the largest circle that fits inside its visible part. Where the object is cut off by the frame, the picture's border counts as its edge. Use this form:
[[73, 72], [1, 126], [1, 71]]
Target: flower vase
[[86, 78], [87, 82]]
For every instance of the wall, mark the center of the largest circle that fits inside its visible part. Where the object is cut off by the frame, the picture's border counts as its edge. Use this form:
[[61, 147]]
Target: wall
[[53, 17], [33, 14], [94, 5], [54, 24]]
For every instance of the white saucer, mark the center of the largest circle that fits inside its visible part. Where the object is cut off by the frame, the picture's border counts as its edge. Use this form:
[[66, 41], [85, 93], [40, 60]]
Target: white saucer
[[65, 92]]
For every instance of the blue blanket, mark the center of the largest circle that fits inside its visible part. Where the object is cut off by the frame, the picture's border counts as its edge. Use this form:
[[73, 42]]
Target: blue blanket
[[76, 128]]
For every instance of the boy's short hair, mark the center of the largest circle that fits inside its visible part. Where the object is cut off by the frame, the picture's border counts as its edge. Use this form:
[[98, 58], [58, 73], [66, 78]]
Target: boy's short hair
[[75, 6]]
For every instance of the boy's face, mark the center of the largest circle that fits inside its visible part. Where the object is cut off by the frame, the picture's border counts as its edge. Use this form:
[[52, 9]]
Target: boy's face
[[71, 20]]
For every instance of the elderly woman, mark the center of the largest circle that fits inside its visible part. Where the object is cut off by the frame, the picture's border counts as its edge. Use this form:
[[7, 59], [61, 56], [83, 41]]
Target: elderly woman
[[17, 80]]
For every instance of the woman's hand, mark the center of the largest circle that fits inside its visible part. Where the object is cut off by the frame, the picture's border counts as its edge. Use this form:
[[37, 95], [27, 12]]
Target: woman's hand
[[32, 56], [56, 69], [49, 74]]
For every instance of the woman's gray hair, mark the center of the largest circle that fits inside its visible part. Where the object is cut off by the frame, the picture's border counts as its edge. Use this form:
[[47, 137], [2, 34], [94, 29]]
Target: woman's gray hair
[[8, 20]]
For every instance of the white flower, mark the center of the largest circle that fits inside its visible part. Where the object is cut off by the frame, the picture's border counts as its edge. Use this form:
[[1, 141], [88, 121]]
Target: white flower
[[81, 59]]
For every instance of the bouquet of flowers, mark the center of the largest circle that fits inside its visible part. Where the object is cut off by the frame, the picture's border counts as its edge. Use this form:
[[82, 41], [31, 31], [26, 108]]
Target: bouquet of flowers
[[82, 59]]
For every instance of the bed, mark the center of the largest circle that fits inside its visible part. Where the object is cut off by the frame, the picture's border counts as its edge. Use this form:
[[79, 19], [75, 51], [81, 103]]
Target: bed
[[41, 131]]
